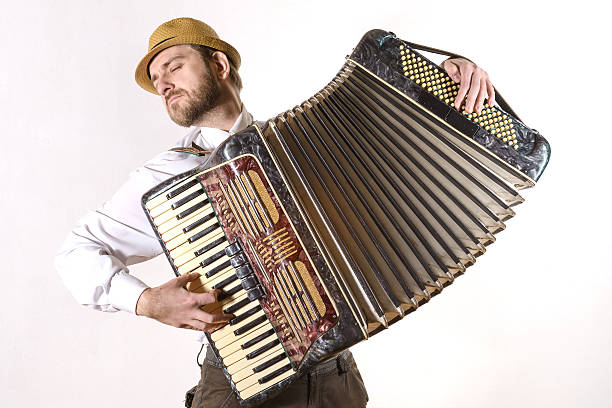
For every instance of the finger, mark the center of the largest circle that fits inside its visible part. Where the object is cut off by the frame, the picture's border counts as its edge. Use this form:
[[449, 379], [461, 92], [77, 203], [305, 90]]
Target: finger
[[186, 278], [213, 318], [490, 93], [207, 298], [207, 327], [473, 92], [452, 70], [466, 80], [212, 327], [188, 327], [200, 326], [481, 95]]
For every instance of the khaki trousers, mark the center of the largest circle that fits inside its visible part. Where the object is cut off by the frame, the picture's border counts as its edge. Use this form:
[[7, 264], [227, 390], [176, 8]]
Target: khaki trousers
[[336, 383]]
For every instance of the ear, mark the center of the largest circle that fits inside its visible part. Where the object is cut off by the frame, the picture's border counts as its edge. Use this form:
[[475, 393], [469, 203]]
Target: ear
[[221, 64]]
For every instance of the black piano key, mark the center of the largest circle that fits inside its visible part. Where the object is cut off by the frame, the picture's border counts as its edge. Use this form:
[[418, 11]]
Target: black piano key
[[225, 282], [262, 349], [237, 306], [199, 222], [192, 209], [217, 269], [212, 258], [244, 315], [274, 374], [229, 292], [239, 260], [186, 199], [269, 363], [250, 282], [257, 339], [233, 290], [255, 293], [203, 233], [233, 249], [250, 325], [181, 189], [210, 246], [244, 271]]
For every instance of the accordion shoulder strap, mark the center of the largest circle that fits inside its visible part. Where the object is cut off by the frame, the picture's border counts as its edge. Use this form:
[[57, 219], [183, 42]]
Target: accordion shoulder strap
[[500, 100]]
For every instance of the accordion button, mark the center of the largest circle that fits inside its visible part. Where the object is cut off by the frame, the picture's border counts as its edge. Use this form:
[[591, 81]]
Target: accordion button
[[233, 249], [255, 293], [244, 271], [239, 260], [250, 282]]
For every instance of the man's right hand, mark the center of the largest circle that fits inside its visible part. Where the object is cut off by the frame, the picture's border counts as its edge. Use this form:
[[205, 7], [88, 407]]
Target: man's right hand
[[172, 304]]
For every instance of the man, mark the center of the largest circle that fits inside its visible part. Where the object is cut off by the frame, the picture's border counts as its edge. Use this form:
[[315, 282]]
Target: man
[[195, 73]]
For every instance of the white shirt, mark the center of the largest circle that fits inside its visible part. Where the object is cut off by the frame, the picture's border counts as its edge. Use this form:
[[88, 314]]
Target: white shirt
[[93, 260]]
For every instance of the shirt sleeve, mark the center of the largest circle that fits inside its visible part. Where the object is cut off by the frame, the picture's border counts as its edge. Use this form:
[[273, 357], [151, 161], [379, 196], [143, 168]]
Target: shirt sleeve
[[93, 260]]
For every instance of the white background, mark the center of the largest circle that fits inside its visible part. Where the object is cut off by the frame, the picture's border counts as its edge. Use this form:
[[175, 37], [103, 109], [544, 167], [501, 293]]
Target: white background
[[529, 325]]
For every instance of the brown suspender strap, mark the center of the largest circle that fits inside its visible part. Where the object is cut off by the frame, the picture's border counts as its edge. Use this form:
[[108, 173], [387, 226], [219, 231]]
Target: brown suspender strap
[[193, 149]]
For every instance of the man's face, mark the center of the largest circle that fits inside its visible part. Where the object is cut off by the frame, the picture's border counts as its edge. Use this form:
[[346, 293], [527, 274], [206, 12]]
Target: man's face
[[188, 88]]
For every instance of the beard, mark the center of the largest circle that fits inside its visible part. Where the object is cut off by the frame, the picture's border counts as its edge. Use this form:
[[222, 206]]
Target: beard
[[194, 105]]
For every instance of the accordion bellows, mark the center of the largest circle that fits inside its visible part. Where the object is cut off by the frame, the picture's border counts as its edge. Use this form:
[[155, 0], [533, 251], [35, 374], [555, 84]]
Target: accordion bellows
[[333, 220]]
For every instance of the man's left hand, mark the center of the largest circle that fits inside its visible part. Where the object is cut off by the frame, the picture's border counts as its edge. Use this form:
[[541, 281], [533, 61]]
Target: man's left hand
[[474, 83]]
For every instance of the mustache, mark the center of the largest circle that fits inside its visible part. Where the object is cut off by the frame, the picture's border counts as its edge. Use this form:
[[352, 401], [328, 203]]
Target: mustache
[[174, 93]]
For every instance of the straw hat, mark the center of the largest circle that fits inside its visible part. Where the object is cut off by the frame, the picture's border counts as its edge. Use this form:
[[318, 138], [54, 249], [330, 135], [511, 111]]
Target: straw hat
[[181, 31]]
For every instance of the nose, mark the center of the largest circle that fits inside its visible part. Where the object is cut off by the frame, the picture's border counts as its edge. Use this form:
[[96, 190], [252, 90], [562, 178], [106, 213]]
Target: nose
[[163, 85]]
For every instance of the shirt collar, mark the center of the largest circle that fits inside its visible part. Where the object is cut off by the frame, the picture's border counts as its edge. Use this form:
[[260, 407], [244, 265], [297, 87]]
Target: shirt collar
[[210, 138]]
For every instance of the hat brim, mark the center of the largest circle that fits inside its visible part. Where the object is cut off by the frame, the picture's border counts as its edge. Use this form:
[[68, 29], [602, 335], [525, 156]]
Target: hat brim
[[142, 70]]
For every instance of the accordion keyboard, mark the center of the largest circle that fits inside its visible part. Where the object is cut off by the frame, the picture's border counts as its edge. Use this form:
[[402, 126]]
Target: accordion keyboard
[[195, 241]]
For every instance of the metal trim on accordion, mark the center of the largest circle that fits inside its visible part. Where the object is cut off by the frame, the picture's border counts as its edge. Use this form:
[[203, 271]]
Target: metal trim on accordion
[[334, 220]]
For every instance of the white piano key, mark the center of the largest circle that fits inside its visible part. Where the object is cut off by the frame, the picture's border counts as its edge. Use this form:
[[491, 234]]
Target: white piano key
[[256, 388], [244, 368], [163, 207], [188, 261], [172, 214], [181, 245], [229, 330], [227, 352], [162, 197], [253, 379], [171, 229]]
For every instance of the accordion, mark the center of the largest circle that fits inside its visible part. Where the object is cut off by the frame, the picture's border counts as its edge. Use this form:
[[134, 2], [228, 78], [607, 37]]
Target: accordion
[[337, 218]]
